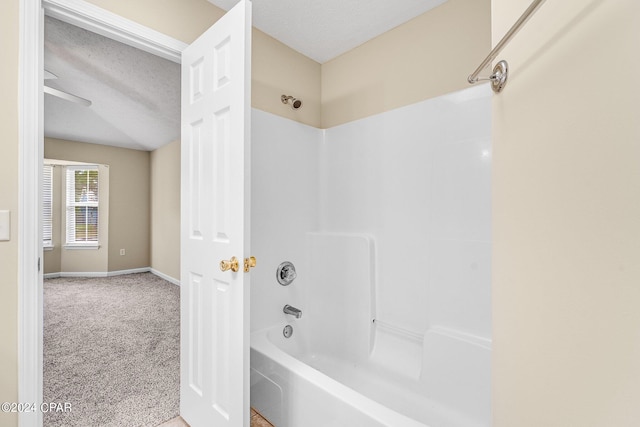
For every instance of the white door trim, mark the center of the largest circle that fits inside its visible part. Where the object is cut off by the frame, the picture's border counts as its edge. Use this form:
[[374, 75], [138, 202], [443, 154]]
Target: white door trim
[[30, 100], [90, 17], [31, 152]]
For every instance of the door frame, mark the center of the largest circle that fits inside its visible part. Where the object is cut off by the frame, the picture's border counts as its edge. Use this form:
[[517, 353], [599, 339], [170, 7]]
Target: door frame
[[31, 155]]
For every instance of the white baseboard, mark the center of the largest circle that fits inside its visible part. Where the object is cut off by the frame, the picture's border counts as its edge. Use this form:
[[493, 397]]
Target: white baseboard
[[112, 273], [77, 274], [130, 271], [96, 273], [165, 277]]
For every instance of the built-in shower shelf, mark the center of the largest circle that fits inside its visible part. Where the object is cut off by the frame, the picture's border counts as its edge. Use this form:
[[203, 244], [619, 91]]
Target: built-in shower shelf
[[398, 330], [462, 336]]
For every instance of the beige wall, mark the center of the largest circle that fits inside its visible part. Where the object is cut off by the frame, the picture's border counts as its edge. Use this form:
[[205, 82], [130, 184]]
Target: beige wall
[[428, 56], [165, 210], [9, 200], [129, 197], [566, 193], [277, 69]]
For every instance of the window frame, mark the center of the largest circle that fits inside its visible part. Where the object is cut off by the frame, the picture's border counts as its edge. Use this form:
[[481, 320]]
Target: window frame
[[70, 172]]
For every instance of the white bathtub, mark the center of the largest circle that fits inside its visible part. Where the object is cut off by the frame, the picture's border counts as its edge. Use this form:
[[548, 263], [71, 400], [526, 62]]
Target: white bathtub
[[441, 382]]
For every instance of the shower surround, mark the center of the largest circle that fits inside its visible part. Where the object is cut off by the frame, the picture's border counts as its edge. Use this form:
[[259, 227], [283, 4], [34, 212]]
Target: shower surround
[[388, 222]]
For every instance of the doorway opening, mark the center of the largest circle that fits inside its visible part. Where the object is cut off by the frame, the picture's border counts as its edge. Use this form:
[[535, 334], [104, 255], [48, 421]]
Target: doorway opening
[[110, 328]]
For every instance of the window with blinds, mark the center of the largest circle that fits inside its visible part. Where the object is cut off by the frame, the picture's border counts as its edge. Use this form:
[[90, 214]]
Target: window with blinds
[[82, 205], [47, 206]]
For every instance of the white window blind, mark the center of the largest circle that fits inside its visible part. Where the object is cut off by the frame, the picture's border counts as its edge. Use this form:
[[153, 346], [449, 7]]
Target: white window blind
[[47, 206], [82, 205]]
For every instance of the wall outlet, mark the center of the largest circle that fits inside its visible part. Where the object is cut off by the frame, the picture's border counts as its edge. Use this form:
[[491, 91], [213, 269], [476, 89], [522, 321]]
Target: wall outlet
[[122, 252]]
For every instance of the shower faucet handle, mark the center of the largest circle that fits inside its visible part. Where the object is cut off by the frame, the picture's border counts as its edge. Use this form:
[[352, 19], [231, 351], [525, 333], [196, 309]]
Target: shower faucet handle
[[289, 274], [286, 273]]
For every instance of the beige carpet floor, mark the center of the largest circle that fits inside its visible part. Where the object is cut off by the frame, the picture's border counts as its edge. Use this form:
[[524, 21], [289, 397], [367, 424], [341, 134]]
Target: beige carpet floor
[[112, 350]]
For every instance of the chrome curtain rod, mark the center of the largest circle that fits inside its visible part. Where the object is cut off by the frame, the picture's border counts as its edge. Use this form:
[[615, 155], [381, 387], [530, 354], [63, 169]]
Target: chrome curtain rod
[[501, 71]]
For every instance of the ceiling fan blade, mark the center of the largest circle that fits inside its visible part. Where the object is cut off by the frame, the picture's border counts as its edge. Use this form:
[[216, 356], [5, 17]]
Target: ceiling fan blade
[[67, 96], [48, 75]]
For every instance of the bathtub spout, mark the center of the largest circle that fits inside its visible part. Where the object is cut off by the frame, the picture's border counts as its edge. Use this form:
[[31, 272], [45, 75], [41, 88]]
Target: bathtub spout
[[292, 311]]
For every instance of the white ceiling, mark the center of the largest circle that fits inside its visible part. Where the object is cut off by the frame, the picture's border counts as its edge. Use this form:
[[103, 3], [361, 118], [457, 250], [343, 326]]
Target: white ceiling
[[135, 95], [324, 29]]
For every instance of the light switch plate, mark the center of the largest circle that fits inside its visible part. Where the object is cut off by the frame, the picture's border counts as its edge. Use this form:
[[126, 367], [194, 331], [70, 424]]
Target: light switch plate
[[5, 226]]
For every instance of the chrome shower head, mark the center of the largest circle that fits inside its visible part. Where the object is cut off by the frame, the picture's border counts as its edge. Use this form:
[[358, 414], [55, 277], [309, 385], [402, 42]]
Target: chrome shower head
[[294, 102]]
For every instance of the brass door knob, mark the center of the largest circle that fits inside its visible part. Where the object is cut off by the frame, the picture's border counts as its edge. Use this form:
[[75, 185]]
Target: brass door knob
[[232, 264], [249, 263]]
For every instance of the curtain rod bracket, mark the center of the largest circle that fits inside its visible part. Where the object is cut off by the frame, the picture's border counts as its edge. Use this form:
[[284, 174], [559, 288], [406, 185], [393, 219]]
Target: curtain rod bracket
[[498, 78]]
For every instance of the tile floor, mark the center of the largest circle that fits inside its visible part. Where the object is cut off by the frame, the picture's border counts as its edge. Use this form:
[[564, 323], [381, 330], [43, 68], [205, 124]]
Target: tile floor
[[256, 421]]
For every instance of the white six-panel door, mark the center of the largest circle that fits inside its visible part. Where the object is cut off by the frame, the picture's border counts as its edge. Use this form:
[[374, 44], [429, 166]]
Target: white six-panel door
[[214, 304]]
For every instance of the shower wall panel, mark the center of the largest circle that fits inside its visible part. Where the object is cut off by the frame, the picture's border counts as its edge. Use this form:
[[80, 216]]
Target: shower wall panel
[[418, 179], [284, 207]]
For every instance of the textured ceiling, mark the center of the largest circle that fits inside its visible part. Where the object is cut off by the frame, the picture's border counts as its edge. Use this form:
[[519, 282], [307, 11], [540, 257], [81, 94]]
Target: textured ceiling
[[135, 95], [324, 29]]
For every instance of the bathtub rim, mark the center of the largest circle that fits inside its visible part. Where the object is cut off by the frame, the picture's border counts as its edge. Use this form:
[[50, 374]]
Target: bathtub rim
[[369, 407]]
